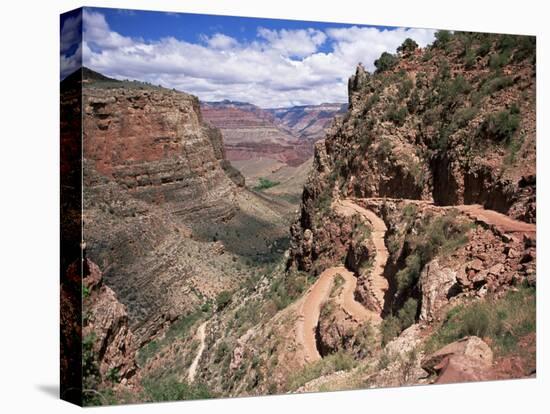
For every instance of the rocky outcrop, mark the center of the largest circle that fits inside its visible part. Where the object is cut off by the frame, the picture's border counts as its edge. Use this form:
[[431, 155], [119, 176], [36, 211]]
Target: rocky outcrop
[[420, 136], [469, 359], [216, 139], [436, 284], [427, 129], [106, 326], [337, 332], [153, 142]]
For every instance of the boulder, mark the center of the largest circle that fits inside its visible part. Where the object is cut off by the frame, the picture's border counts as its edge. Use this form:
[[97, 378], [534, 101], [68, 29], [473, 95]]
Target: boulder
[[468, 359], [435, 284]]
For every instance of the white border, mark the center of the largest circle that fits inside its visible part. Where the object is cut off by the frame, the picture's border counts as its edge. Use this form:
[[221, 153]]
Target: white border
[[29, 207]]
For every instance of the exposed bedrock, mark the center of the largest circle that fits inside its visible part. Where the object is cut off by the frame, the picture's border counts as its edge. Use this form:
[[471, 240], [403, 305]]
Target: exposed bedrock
[[153, 142]]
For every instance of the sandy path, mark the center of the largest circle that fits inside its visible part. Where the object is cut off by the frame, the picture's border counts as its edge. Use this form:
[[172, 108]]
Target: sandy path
[[308, 313], [501, 221], [201, 336], [310, 307], [318, 293], [378, 283], [347, 300]]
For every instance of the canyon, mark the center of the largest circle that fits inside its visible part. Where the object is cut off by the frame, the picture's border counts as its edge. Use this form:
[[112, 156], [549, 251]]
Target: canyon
[[389, 241]]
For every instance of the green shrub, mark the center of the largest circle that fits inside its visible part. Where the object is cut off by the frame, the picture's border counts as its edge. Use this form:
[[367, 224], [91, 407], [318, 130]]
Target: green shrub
[[389, 329], [113, 375], [513, 148], [223, 299], [404, 89], [495, 84], [427, 56], [502, 126], [170, 389], [408, 46], [408, 276], [498, 60], [407, 314], [221, 352], [91, 377], [265, 183], [484, 47], [464, 115], [442, 38], [288, 288], [338, 361], [469, 59], [504, 321], [443, 70], [526, 48], [440, 235], [396, 114], [371, 101], [451, 92], [385, 62], [384, 149]]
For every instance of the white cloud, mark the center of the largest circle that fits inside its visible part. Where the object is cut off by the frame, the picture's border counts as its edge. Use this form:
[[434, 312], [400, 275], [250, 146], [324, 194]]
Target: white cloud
[[220, 41], [299, 43], [71, 33], [70, 45], [278, 68], [70, 63], [98, 32], [366, 44]]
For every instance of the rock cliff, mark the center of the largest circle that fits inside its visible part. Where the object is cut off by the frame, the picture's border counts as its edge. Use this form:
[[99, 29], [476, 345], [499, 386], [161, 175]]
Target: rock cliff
[[152, 170], [436, 125], [108, 341], [153, 142]]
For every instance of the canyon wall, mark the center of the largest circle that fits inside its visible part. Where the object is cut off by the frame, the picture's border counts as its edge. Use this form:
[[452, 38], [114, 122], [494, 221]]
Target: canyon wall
[[308, 122], [153, 143], [250, 132], [152, 169]]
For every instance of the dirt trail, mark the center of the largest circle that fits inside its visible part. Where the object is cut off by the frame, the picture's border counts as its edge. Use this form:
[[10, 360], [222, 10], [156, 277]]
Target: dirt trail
[[378, 284], [201, 336], [500, 221], [347, 300], [310, 307]]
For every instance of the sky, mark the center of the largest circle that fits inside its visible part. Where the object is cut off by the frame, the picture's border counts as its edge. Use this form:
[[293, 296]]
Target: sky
[[268, 62]]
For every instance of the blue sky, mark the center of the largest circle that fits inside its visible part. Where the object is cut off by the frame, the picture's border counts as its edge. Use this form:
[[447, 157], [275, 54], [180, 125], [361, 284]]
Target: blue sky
[[268, 62]]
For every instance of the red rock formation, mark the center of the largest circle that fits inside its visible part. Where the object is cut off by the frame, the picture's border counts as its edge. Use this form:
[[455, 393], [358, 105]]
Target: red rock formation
[[153, 142], [250, 132], [469, 359]]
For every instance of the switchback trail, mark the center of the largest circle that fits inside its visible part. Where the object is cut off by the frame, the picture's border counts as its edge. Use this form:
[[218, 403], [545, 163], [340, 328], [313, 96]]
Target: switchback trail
[[310, 308], [318, 293], [500, 221], [378, 284], [201, 336]]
